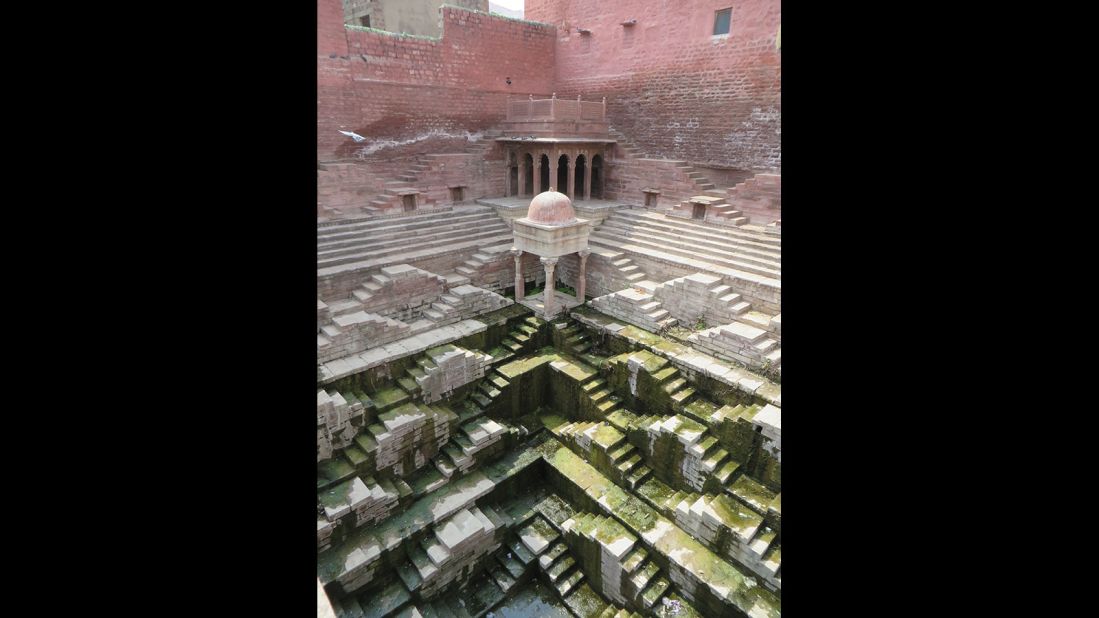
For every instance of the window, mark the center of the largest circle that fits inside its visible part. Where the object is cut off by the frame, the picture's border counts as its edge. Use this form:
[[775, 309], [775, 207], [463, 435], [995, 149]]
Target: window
[[365, 20], [721, 21]]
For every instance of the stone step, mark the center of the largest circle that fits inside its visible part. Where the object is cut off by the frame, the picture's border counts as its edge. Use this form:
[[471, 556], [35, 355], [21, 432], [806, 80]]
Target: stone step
[[622, 452], [740, 270], [423, 236], [688, 227], [375, 261], [561, 568], [652, 595], [702, 247], [567, 585], [337, 228], [520, 551], [639, 475], [513, 566], [551, 555], [635, 559], [645, 574]]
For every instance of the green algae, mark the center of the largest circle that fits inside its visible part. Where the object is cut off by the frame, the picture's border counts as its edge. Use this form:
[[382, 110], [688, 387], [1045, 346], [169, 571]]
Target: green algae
[[519, 367]]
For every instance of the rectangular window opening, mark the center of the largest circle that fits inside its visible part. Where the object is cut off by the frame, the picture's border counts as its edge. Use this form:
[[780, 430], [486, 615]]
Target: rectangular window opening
[[721, 21], [365, 21]]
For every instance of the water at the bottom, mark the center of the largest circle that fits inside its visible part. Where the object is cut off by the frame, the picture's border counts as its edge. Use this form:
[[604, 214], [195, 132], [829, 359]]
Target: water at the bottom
[[534, 599]]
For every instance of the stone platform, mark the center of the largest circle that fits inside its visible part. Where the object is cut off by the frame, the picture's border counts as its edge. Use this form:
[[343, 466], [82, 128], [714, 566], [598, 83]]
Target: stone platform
[[561, 300], [515, 207]]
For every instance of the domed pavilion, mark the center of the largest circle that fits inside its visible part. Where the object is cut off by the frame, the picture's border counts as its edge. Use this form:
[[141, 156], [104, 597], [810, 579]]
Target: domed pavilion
[[550, 230]]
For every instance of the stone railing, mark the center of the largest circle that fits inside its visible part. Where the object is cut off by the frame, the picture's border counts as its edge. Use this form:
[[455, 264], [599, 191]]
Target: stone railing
[[556, 109]]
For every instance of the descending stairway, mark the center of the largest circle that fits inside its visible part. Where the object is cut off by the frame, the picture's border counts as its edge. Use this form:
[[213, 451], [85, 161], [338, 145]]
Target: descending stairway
[[364, 244], [698, 246]]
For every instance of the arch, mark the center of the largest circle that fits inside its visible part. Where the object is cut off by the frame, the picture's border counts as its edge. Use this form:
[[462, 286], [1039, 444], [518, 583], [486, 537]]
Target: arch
[[581, 170], [544, 174], [528, 171], [597, 177], [563, 175]]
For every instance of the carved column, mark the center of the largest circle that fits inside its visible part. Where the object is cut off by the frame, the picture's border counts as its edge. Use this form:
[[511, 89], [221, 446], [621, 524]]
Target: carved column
[[571, 174], [538, 188], [553, 175], [587, 177], [519, 283], [507, 179], [582, 284], [522, 175], [549, 264]]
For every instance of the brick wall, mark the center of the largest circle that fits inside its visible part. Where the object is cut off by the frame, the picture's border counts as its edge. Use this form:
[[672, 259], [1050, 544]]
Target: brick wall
[[673, 88], [406, 87]]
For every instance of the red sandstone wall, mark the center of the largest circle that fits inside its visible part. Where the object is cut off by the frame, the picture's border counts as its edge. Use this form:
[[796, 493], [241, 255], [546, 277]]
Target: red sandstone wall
[[670, 86], [409, 86]]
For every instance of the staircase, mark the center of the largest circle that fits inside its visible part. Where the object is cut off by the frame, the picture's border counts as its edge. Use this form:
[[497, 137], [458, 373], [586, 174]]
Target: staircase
[[696, 246], [364, 244]]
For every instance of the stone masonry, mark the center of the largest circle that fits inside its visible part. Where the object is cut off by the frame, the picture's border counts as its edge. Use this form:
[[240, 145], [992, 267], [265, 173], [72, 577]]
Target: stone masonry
[[448, 367]]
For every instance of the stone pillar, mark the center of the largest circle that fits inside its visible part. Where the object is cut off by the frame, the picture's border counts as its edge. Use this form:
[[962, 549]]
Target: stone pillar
[[582, 283], [519, 283], [553, 176], [549, 264], [587, 178], [522, 176], [572, 181], [507, 179], [538, 188]]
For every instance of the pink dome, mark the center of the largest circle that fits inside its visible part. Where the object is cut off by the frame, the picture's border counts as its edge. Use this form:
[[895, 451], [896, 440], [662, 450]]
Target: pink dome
[[551, 207]]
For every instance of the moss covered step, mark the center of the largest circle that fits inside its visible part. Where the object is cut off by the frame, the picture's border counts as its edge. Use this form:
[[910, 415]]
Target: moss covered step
[[488, 389], [510, 563], [651, 595], [635, 559], [753, 494], [593, 385], [521, 552], [332, 471], [584, 602], [765, 536], [561, 568], [505, 580], [389, 398], [567, 584], [391, 600], [538, 535], [639, 475], [726, 588], [644, 574], [550, 556]]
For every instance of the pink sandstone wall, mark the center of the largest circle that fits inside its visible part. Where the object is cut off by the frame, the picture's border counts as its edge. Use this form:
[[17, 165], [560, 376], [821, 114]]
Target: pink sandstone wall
[[408, 86], [671, 87]]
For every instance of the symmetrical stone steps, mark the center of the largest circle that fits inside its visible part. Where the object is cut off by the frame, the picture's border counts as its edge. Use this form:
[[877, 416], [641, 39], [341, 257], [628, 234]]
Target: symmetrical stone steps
[[620, 233], [714, 208], [331, 243], [685, 227], [487, 231], [645, 578], [576, 339], [759, 197], [698, 178], [739, 342], [636, 307], [519, 339], [364, 227], [702, 300], [641, 229]]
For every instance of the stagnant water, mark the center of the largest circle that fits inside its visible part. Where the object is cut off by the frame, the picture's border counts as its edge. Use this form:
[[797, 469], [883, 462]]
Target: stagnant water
[[533, 599]]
